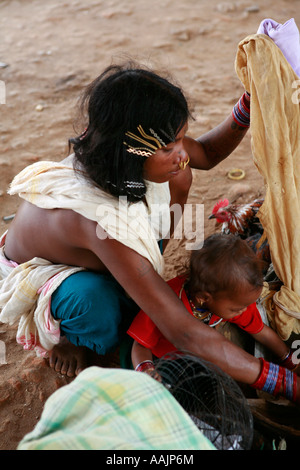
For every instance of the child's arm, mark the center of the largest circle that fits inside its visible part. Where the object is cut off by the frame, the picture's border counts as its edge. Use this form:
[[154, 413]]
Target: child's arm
[[142, 358], [272, 341]]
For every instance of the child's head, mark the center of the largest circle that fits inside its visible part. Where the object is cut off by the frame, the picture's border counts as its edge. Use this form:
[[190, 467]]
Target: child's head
[[225, 275], [125, 103]]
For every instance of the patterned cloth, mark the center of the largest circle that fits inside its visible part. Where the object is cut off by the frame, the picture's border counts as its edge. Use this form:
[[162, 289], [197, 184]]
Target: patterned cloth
[[117, 409], [25, 295]]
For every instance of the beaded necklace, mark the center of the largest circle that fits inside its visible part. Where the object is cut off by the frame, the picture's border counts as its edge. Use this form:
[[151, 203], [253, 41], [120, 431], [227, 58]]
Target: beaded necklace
[[201, 314]]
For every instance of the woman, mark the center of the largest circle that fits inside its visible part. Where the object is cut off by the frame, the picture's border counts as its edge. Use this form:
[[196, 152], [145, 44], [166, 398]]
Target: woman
[[135, 141]]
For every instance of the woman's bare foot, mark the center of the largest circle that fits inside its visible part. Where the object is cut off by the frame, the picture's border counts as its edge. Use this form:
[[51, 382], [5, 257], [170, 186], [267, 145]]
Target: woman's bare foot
[[67, 358]]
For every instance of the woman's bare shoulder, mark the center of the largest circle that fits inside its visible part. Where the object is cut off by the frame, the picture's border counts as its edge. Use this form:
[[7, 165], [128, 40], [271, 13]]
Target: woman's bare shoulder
[[59, 235]]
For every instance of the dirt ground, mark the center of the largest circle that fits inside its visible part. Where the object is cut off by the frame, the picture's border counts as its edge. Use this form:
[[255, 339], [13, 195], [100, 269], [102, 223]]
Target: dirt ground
[[48, 52]]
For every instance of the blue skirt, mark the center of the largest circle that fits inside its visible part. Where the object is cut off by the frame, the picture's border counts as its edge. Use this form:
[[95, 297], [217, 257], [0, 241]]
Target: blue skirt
[[94, 311]]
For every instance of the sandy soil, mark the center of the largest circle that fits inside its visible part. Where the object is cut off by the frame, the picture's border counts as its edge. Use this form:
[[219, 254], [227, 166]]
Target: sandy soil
[[52, 50]]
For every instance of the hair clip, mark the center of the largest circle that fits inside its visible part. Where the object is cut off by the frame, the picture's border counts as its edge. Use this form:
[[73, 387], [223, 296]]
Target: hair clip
[[134, 184], [150, 143], [163, 144], [138, 151], [149, 146]]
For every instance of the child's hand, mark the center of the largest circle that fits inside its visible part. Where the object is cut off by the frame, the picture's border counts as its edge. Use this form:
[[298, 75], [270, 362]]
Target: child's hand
[[152, 372], [156, 376]]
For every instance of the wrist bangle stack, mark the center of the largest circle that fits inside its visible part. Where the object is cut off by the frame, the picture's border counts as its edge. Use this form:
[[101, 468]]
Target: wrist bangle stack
[[275, 379], [241, 111], [144, 365]]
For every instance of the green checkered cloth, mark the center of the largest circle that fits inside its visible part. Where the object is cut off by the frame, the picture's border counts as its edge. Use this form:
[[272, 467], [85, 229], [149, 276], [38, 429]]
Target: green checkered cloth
[[106, 408]]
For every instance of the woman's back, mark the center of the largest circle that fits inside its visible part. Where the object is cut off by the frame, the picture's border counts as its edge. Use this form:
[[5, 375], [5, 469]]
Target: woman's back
[[58, 235]]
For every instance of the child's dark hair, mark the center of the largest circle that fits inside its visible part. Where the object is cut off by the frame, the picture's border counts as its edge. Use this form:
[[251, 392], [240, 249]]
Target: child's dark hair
[[224, 264], [119, 100]]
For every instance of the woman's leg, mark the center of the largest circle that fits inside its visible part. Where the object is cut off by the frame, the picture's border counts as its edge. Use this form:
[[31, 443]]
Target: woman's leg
[[94, 310]]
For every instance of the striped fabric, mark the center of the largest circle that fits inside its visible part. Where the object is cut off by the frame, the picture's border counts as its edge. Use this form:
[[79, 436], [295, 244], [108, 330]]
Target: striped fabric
[[107, 408], [25, 293]]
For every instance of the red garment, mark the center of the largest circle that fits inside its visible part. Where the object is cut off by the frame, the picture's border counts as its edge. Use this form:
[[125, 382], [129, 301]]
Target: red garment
[[146, 333]]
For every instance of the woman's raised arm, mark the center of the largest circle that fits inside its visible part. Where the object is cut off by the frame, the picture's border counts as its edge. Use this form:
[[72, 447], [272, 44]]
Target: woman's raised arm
[[214, 146]]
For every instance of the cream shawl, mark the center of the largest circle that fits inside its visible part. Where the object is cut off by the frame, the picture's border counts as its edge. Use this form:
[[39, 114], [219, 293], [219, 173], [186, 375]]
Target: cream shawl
[[51, 185], [275, 140]]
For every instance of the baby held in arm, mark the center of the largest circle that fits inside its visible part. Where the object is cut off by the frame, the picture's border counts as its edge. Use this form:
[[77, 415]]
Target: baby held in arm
[[222, 283]]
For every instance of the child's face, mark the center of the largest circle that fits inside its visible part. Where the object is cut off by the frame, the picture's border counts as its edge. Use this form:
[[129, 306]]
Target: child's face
[[227, 306]]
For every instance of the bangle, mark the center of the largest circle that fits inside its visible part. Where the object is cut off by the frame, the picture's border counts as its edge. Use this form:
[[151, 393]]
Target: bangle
[[288, 361], [144, 365], [289, 385], [246, 96], [236, 174], [275, 379], [241, 111]]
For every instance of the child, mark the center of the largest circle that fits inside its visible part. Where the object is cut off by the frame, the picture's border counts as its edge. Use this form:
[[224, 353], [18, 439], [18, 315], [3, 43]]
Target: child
[[223, 282]]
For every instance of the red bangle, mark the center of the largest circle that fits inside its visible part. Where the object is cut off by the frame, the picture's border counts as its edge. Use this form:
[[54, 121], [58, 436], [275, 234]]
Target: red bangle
[[260, 382], [246, 100], [145, 365], [288, 361], [281, 374], [295, 387]]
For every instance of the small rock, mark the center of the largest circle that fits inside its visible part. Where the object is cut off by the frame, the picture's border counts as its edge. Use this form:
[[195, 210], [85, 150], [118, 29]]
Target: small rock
[[19, 412], [39, 107], [43, 53], [43, 396], [181, 34], [4, 395], [226, 7], [204, 30], [38, 362], [5, 424], [110, 13], [8, 218], [16, 384], [252, 9], [31, 375]]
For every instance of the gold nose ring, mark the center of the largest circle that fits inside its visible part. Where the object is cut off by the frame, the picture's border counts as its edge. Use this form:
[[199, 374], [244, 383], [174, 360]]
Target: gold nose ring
[[183, 165]]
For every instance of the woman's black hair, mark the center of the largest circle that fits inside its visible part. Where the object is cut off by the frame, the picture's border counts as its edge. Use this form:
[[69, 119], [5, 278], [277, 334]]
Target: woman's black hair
[[119, 100], [225, 263]]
